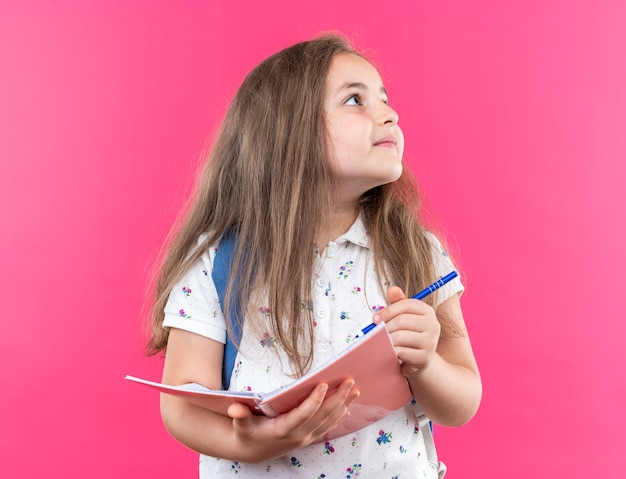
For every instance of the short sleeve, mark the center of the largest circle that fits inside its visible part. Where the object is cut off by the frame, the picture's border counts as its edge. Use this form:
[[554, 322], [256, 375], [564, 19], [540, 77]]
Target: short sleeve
[[193, 304], [444, 266]]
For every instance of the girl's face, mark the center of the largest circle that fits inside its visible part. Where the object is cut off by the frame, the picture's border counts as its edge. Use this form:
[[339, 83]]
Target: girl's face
[[365, 143]]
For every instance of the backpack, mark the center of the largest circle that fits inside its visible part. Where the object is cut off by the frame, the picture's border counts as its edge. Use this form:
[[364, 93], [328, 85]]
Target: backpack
[[222, 266]]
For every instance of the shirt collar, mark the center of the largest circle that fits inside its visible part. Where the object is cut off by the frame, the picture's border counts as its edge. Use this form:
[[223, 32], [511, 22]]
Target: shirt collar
[[357, 234]]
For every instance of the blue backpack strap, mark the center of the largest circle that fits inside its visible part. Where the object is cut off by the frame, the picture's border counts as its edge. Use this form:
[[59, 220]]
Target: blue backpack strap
[[222, 267]]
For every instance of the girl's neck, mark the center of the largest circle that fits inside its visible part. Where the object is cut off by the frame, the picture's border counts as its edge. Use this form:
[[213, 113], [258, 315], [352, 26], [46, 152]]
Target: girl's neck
[[341, 219]]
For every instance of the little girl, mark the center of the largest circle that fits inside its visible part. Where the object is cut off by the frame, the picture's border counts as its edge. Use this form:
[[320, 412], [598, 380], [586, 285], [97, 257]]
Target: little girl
[[307, 172]]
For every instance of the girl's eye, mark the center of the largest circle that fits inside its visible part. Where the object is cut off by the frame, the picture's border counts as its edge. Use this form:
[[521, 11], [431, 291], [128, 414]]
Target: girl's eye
[[353, 100]]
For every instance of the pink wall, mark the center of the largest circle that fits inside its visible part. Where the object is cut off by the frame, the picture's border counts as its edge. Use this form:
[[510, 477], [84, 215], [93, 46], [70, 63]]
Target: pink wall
[[515, 118]]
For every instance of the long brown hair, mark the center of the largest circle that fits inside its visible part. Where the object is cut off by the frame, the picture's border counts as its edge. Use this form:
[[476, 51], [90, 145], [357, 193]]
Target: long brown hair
[[267, 179]]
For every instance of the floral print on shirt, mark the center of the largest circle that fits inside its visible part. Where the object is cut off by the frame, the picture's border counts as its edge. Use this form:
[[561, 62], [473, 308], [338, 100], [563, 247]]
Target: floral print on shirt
[[340, 305], [267, 341], [353, 471], [383, 437], [345, 270], [328, 448]]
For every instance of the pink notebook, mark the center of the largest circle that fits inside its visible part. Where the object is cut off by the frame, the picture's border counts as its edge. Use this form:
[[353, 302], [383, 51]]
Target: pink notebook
[[370, 360]]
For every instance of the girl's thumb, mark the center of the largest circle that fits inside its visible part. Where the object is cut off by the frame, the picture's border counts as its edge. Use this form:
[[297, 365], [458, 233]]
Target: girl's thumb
[[394, 294], [239, 411]]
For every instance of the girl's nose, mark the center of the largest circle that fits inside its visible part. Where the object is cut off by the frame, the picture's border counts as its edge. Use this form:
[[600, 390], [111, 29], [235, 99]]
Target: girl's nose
[[387, 114]]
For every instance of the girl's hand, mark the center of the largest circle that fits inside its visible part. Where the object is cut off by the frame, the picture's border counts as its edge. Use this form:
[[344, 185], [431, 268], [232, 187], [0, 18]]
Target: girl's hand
[[241, 436], [442, 373], [414, 330], [319, 414]]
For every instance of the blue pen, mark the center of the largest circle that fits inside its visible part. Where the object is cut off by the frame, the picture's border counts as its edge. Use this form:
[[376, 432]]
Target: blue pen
[[421, 295]]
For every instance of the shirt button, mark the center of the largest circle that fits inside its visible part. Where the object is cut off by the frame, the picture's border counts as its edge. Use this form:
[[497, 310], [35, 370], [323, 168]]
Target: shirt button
[[321, 313], [330, 252], [321, 282]]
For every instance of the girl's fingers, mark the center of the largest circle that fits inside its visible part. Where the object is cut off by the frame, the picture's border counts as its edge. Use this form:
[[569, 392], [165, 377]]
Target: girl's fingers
[[317, 415], [321, 413], [399, 307], [239, 411], [242, 417], [301, 418], [310, 406], [335, 409], [395, 294]]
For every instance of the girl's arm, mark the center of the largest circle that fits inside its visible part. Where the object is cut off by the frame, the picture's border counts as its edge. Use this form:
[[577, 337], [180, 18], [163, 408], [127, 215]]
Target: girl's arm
[[242, 436], [441, 371]]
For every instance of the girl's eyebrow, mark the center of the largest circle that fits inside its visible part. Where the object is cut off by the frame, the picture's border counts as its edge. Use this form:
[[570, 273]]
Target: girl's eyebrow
[[359, 86]]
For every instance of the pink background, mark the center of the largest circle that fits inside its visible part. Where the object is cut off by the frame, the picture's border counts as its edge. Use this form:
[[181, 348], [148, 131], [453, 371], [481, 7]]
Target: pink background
[[515, 118]]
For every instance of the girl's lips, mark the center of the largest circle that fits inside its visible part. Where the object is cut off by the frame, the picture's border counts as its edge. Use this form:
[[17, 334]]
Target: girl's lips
[[387, 141]]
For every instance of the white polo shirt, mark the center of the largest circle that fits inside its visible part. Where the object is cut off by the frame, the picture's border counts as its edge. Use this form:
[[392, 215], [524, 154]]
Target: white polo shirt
[[344, 297]]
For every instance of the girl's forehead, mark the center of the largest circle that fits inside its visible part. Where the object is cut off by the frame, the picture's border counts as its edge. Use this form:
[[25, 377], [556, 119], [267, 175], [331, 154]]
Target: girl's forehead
[[347, 69]]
